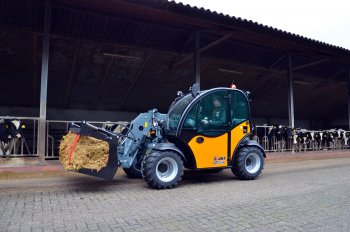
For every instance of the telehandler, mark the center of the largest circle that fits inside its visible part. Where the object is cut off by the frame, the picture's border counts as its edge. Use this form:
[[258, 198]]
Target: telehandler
[[193, 135]]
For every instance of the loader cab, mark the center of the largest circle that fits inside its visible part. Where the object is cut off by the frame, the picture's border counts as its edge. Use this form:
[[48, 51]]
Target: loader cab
[[211, 125]]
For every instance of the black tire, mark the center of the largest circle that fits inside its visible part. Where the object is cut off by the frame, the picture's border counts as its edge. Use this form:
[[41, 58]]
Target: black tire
[[248, 163], [132, 172], [162, 169]]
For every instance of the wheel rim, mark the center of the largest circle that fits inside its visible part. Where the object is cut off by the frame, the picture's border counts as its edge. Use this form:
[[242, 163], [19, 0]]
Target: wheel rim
[[167, 169], [252, 163]]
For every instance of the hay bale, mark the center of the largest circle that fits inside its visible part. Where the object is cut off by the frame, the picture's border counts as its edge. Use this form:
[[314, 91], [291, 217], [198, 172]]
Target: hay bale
[[89, 152]]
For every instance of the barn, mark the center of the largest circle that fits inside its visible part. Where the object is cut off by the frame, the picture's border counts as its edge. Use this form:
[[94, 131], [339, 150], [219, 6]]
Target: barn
[[108, 60]]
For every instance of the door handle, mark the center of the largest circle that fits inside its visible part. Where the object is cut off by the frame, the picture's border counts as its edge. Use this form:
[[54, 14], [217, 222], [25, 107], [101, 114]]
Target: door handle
[[200, 140]]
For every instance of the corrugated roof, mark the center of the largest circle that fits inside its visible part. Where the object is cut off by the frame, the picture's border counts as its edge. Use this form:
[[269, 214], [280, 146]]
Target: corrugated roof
[[220, 17]]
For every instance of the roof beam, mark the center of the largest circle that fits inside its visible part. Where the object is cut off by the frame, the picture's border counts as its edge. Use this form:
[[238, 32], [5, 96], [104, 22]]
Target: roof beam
[[189, 39], [276, 61], [237, 40], [135, 79], [310, 64], [336, 74], [71, 73], [207, 47], [171, 68], [99, 88], [171, 16], [154, 15]]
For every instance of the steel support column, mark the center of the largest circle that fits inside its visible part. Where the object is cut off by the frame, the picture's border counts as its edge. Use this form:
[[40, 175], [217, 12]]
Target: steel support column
[[43, 87], [290, 92], [349, 96], [197, 60]]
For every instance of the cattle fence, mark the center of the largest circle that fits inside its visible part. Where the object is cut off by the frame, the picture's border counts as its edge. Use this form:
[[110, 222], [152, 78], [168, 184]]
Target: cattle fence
[[272, 143], [56, 129]]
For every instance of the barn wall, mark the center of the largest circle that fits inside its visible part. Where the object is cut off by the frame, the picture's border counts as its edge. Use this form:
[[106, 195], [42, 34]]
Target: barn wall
[[305, 124], [89, 115], [338, 123], [61, 114]]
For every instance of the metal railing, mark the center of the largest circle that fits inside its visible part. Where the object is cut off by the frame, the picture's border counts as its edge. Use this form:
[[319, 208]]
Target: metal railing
[[272, 144], [55, 129]]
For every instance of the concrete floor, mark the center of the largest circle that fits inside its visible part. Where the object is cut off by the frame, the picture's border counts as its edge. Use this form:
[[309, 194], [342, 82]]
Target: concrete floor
[[295, 192]]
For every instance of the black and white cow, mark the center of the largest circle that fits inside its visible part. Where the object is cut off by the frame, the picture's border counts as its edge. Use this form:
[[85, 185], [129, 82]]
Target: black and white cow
[[10, 135], [318, 139], [340, 139], [275, 136], [327, 139], [301, 139], [287, 136], [346, 138]]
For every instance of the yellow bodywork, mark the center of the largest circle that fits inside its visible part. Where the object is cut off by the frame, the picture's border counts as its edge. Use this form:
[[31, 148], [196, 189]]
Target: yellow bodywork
[[213, 152]]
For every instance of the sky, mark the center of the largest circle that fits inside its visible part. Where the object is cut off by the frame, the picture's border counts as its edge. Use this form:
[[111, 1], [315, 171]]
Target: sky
[[323, 20]]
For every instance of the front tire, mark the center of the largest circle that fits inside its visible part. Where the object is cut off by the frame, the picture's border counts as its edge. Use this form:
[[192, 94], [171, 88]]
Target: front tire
[[248, 163], [132, 172], [162, 169]]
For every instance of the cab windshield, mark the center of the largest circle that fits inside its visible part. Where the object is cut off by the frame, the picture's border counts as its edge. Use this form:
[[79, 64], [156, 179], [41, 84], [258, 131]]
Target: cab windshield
[[175, 112]]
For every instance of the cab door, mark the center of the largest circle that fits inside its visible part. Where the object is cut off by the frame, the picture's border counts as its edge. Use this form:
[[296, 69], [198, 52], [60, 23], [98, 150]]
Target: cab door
[[206, 130], [240, 120]]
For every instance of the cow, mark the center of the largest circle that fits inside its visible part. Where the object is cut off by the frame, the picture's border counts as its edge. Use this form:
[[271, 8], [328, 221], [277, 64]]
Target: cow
[[327, 139], [340, 139], [282, 134], [275, 137], [318, 140], [347, 136], [287, 136], [10, 135], [301, 139]]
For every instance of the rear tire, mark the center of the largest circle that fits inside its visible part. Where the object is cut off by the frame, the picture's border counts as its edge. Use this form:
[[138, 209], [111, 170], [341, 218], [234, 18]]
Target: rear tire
[[248, 163], [162, 169]]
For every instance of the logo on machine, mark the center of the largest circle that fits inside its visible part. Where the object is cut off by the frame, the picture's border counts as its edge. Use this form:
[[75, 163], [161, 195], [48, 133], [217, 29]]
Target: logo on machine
[[219, 159]]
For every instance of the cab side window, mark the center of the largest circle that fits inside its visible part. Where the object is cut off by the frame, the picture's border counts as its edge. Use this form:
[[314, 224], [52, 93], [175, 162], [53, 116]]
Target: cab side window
[[191, 119], [213, 114], [239, 108]]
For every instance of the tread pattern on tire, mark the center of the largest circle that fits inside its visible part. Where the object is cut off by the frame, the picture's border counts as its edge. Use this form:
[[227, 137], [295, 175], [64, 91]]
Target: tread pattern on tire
[[150, 176], [238, 167], [132, 172]]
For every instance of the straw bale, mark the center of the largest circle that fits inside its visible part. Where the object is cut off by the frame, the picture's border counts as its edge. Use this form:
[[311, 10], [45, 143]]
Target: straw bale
[[89, 152]]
